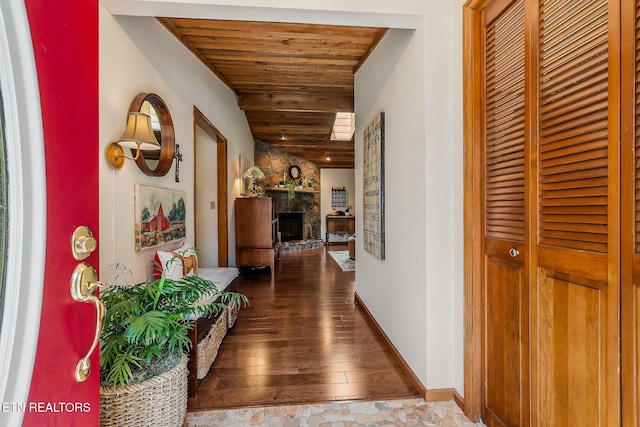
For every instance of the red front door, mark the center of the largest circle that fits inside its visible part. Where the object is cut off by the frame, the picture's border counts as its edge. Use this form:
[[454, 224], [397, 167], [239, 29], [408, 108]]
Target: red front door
[[65, 41]]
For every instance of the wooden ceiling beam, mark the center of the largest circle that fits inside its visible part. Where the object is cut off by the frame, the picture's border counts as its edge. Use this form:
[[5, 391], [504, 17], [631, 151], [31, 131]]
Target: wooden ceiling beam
[[328, 165], [325, 149], [274, 119], [315, 157], [307, 145], [307, 80], [276, 131], [288, 124], [275, 36], [265, 58], [316, 48], [300, 136], [278, 70], [281, 87], [318, 153], [324, 164], [321, 159], [305, 103]]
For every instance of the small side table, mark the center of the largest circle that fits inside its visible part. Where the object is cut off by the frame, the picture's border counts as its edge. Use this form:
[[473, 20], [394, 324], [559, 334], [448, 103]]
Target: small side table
[[340, 224]]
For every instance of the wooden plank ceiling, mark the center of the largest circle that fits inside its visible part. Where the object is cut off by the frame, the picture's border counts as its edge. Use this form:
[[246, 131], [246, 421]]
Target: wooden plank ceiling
[[290, 79]]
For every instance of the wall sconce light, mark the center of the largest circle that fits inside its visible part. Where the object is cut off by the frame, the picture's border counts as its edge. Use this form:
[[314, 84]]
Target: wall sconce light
[[254, 173], [138, 135]]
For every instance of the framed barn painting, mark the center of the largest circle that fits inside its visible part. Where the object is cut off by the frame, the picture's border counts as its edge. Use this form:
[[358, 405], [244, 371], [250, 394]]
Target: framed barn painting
[[373, 187], [159, 216]]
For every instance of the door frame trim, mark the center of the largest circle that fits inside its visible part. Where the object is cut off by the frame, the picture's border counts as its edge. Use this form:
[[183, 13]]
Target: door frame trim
[[201, 121], [472, 53]]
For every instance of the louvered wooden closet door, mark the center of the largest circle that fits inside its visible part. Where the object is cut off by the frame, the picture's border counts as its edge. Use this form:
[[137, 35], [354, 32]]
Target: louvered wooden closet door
[[505, 371], [631, 213], [575, 303]]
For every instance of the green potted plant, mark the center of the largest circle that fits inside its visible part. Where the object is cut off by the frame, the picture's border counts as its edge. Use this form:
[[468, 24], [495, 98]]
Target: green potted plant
[[143, 345], [291, 193]]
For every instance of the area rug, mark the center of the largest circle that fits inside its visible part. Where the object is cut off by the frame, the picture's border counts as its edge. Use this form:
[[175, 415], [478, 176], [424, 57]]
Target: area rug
[[343, 260]]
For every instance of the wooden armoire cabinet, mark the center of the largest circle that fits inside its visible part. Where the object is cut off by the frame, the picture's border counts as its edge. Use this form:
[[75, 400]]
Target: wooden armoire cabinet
[[255, 232], [552, 221]]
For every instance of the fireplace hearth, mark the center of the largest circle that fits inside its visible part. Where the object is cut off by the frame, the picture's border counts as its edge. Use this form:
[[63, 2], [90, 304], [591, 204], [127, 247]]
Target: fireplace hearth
[[291, 226]]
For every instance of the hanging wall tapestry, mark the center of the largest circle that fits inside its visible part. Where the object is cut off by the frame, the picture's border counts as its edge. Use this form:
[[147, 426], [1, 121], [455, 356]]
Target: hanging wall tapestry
[[159, 216], [373, 191]]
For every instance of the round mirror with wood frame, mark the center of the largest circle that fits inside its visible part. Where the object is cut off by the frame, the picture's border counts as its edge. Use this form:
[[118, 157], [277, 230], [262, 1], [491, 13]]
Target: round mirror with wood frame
[[156, 163]]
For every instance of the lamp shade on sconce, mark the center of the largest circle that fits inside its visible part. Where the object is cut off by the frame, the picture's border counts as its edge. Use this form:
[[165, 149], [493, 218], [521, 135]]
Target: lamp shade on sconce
[[138, 135]]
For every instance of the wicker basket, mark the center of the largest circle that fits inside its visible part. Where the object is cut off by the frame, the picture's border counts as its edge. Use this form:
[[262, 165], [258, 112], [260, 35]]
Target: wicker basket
[[159, 401], [209, 345], [232, 315]]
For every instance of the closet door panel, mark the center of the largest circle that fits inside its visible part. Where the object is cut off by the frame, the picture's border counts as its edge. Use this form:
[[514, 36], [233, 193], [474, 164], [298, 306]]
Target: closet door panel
[[505, 291], [570, 366], [631, 347], [506, 359], [575, 284]]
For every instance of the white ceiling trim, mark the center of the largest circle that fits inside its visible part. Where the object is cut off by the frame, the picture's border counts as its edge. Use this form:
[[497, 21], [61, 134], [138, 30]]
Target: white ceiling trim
[[389, 15]]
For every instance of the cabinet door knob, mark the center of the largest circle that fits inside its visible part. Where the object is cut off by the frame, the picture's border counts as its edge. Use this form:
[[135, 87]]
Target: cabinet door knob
[[513, 252]]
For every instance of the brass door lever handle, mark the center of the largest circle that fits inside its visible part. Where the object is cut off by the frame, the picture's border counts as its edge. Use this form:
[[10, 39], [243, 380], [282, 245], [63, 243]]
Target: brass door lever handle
[[84, 282]]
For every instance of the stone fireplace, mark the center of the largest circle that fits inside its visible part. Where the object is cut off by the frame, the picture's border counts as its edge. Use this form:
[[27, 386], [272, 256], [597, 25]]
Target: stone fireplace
[[275, 164], [291, 225], [305, 206]]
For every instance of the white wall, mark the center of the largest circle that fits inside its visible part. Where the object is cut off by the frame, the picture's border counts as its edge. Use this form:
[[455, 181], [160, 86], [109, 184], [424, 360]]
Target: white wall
[[443, 208], [457, 193], [206, 194], [138, 55], [335, 178], [394, 290], [415, 77]]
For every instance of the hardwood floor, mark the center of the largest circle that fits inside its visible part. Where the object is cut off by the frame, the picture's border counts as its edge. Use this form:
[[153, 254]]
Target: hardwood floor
[[302, 340]]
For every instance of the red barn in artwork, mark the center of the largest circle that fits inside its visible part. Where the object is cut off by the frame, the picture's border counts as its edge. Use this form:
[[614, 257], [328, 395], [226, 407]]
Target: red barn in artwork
[[157, 222]]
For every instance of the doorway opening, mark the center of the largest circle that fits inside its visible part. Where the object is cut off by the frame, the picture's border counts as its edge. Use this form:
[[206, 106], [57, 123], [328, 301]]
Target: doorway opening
[[202, 124]]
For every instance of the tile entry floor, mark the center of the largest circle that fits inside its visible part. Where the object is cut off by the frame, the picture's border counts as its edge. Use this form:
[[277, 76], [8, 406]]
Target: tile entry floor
[[405, 412]]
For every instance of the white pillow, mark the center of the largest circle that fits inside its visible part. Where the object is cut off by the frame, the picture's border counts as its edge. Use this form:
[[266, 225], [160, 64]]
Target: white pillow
[[189, 257], [171, 265], [177, 262]]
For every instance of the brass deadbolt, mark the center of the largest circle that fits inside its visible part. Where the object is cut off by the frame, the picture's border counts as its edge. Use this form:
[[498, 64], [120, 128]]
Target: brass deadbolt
[[83, 243]]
